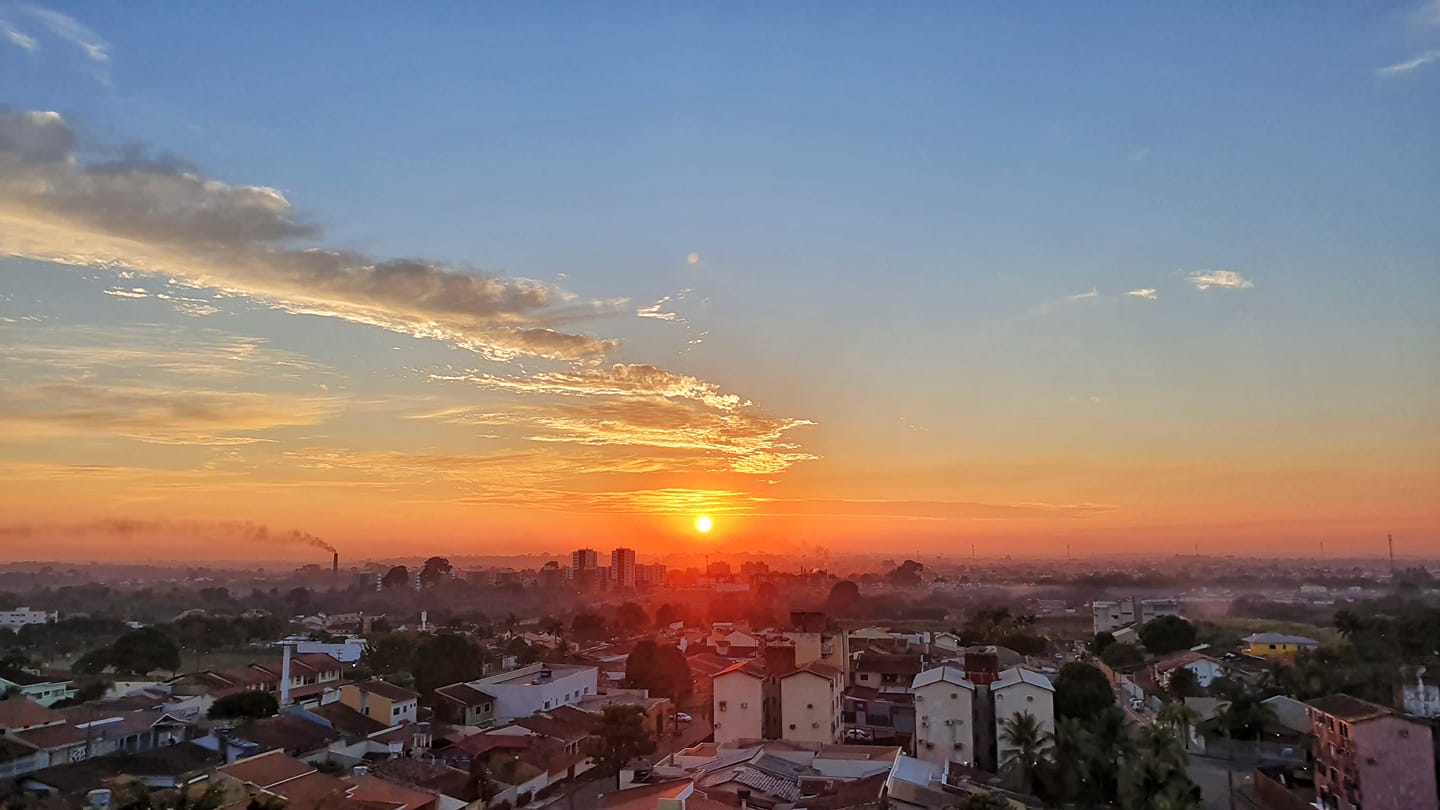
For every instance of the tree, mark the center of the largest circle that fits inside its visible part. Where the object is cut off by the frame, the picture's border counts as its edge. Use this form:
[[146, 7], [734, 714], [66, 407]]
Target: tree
[[1101, 641], [1072, 755], [588, 627], [443, 659], [1167, 634], [623, 737], [1113, 746], [631, 618], [1183, 683], [983, 801], [1122, 654], [298, 600], [1157, 768], [1023, 744], [248, 704], [642, 667], [667, 614], [905, 575], [1082, 691], [843, 599], [137, 652], [1180, 717], [679, 681], [397, 577], [389, 652], [435, 570]]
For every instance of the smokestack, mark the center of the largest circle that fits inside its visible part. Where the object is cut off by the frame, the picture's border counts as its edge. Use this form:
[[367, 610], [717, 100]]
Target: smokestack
[[285, 676], [335, 564]]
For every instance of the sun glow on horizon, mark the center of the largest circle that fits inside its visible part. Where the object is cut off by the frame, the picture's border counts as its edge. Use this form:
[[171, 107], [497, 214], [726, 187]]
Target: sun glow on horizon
[[703, 524]]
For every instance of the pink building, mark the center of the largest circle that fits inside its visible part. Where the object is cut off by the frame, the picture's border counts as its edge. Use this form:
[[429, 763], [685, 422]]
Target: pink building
[[1371, 757]]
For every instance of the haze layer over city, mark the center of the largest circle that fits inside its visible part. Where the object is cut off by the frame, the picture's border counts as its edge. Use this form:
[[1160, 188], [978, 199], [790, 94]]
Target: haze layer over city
[[715, 406]]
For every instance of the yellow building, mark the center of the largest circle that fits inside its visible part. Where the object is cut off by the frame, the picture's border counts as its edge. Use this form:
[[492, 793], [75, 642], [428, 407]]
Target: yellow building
[[386, 702], [1277, 645]]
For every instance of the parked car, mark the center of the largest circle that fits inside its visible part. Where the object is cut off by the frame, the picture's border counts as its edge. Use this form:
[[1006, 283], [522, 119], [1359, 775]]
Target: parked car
[[682, 717], [859, 734]]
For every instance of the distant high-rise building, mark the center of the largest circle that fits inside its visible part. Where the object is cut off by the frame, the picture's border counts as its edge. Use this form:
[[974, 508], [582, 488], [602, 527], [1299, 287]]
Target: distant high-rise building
[[652, 575], [622, 567], [584, 559], [719, 568]]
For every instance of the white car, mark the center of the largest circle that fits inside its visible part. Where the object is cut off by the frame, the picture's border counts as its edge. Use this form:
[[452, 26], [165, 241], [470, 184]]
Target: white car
[[1136, 704], [859, 734], [682, 717]]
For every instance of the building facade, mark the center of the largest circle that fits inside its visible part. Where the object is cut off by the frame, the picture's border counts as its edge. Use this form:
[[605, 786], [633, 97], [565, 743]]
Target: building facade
[[740, 696], [811, 701], [1019, 690], [944, 716], [537, 688], [1367, 757], [21, 616], [622, 568]]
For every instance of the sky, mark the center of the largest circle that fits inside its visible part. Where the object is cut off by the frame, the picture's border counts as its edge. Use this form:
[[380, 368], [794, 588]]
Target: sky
[[522, 277]]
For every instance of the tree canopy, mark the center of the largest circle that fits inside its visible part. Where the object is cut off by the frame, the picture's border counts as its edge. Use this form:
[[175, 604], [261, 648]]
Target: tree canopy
[[1167, 634], [134, 653], [623, 737], [1082, 691], [248, 704]]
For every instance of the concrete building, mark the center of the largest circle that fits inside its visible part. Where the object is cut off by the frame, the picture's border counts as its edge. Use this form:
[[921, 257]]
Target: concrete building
[[43, 690], [381, 701], [1111, 616], [814, 640], [622, 568], [21, 616], [1021, 690], [1368, 756], [464, 705], [811, 700], [584, 559], [741, 698], [651, 575], [537, 688], [944, 716]]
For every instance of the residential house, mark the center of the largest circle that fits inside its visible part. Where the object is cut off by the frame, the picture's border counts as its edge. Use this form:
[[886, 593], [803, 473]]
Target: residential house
[[886, 672], [811, 702], [944, 716], [727, 641], [464, 705], [47, 690], [538, 687], [19, 617], [1369, 756], [1205, 667], [382, 701], [1277, 645]]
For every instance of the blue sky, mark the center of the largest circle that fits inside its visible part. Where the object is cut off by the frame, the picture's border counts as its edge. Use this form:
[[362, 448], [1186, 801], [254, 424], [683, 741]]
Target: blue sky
[[899, 212]]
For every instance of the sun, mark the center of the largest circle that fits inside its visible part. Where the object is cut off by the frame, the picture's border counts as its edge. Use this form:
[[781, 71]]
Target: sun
[[703, 524]]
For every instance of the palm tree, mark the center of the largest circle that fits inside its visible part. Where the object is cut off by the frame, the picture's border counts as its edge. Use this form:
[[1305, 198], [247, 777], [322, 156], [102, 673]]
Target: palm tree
[[1181, 717], [1113, 746], [1024, 743], [1157, 770], [1072, 749]]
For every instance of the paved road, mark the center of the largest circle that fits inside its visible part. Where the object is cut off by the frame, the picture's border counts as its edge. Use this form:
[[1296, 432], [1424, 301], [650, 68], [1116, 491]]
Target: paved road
[[1217, 778]]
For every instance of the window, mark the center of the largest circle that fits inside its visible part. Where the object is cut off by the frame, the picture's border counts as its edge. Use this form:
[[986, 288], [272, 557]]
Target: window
[[547, 704], [954, 695], [722, 705], [809, 705], [864, 676], [1404, 733], [792, 726], [1029, 698]]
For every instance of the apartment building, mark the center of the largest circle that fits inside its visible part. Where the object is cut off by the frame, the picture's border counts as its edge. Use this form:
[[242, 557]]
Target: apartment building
[[811, 700], [537, 688], [1369, 756], [944, 716]]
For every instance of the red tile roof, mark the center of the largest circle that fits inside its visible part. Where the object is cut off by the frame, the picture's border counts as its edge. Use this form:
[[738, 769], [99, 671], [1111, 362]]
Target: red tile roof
[[19, 713], [266, 770]]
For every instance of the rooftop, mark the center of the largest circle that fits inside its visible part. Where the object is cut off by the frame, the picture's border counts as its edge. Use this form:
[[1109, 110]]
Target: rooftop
[[1347, 708], [387, 690], [531, 674], [1017, 675], [464, 694], [266, 770], [947, 674], [22, 712], [1281, 638]]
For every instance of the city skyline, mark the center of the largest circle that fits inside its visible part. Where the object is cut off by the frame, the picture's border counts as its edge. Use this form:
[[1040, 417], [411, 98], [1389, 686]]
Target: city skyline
[[503, 280]]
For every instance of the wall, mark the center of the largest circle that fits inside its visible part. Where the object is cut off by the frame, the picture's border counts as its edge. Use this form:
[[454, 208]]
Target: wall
[[743, 717], [935, 741], [1022, 697], [809, 708], [523, 696], [1396, 764]]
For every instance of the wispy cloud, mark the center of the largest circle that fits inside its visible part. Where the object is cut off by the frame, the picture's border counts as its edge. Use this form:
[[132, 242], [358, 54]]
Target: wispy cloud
[[1148, 293], [1409, 65], [1078, 298], [1219, 279], [655, 311], [18, 38], [71, 31]]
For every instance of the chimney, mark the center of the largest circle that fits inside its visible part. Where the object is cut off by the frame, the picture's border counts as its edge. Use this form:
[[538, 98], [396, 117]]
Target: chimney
[[285, 676], [335, 565]]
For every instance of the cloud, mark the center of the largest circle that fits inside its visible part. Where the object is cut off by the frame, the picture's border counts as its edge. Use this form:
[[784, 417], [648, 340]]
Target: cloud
[[636, 380], [72, 31], [1148, 293], [1407, 66], [1223, 279], [653, 311], [17, 37], [1078, 298], [155, 216], [151, 384]]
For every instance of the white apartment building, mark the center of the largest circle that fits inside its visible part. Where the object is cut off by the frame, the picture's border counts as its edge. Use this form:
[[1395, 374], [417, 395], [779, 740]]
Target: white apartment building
[[21, 616], [944, 716], [622, 568], [537, 688], [1019, 690], [811, 699], [739, 702], [1111, 616], [584, 559]]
